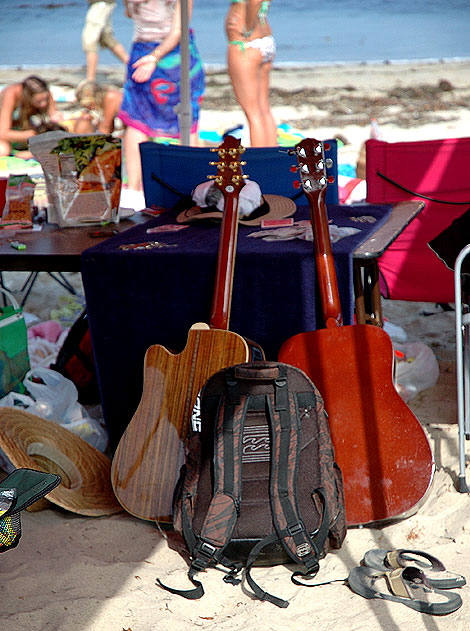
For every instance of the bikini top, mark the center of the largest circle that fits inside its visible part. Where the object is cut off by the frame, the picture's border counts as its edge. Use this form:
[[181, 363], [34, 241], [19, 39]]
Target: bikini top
[[263, 10]]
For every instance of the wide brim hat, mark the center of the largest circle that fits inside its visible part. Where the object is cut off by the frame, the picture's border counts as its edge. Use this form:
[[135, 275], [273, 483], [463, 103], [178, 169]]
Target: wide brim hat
[[32, 442], [253, 206]]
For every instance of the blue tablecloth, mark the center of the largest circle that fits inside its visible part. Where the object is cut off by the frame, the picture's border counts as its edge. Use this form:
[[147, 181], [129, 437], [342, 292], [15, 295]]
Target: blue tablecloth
[[136, 298]]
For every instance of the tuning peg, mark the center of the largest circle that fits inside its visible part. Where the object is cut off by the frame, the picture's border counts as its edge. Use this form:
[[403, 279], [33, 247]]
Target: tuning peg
[[331, 179], [328, 163], [236, 151], [296, 184], [235, 165], [293, 168]]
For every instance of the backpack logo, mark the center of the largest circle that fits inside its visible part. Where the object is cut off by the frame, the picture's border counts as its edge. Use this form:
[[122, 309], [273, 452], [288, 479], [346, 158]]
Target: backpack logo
[[255, 446], [303, 549], [196, 414]]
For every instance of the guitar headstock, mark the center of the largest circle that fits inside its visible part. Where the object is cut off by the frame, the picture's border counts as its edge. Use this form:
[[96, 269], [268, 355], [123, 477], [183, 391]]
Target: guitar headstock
[[229, 178], [312, 166]]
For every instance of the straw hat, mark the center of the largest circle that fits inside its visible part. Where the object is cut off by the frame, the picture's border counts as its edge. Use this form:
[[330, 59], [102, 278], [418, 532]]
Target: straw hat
[[253, 206], [33, 442]]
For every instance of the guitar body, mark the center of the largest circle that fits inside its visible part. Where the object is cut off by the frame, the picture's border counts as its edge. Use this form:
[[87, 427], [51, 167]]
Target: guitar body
[[380, 446], [147, 462]]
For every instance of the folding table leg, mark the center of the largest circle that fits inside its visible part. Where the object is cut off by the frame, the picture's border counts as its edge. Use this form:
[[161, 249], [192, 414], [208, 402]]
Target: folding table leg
[[367, 292], [29, 282]]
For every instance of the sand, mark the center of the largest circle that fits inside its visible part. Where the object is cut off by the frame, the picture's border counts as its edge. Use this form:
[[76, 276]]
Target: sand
[[71, 573], [416, 101]]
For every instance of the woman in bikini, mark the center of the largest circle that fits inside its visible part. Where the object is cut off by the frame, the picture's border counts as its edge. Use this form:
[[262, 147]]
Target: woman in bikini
[[26, 109], [251, 50]]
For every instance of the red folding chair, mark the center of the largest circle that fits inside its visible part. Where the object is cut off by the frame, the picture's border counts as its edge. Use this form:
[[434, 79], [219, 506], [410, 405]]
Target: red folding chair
[[438, 173]]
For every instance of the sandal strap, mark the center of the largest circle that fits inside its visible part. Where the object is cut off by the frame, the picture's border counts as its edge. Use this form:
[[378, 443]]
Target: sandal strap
[[398, 580], [395, 558]]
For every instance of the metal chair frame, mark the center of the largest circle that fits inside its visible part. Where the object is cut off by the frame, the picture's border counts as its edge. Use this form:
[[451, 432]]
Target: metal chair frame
[[462, 336]]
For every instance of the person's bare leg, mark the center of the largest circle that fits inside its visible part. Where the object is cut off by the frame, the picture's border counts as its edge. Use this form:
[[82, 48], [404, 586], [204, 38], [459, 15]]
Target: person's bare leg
[[5, 148], [244, 71], [26, 155], [132, 138], [84, 125], [194, 139], [270, 127], [91, 66], [121, 53]]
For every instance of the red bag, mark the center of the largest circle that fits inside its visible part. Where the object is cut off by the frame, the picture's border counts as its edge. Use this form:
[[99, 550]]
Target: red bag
[[76, 361]]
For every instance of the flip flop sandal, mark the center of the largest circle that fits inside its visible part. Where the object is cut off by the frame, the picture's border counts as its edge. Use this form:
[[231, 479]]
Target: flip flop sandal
[[435, 571], [404, 585]]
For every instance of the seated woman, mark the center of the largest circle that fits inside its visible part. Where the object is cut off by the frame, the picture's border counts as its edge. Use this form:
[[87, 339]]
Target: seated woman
[[100, 105], [26, 109]]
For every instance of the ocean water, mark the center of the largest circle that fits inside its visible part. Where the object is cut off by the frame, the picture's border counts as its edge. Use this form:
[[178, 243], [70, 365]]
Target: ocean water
[[48, 32]]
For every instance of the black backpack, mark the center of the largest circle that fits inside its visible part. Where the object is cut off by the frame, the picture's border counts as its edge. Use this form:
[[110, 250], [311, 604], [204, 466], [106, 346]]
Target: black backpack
[[260, 484]]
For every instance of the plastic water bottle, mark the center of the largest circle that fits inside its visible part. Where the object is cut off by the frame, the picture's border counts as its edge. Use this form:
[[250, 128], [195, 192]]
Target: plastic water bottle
[[375, 130]]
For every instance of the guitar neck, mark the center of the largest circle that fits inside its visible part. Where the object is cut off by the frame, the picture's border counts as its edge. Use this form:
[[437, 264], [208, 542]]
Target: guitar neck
[[312, 169], [229, 180], [222, 297], [325, 264]]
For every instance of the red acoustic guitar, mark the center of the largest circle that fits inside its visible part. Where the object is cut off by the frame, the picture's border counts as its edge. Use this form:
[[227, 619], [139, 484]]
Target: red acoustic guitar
[[147, 461], [380, 446]]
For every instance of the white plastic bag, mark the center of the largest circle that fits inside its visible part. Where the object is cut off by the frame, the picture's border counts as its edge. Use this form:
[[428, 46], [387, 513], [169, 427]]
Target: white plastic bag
[[416, 368], [55, 398], [53, 393]]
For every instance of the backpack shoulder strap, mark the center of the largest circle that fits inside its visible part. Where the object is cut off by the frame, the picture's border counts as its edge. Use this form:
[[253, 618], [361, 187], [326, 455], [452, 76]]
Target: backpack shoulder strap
[[285, 453], [207, 548]]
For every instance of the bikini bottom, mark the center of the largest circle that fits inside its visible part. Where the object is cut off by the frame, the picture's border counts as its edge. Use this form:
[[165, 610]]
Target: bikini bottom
[[266, 45]]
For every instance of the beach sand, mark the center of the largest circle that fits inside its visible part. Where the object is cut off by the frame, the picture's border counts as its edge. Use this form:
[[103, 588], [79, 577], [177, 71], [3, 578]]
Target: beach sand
[[72, 573], [410, 101]]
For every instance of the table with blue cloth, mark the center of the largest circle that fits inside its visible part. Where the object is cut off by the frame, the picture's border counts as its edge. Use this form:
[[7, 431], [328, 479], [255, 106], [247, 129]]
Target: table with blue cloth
[[139, 297]]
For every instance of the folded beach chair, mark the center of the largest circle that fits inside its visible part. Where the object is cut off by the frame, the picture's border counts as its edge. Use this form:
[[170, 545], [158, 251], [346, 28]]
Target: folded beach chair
[[171, 172]]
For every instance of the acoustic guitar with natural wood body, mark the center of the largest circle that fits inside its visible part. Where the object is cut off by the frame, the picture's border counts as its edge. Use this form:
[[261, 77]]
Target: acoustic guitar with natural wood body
[[380, 446], [147, 461]]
